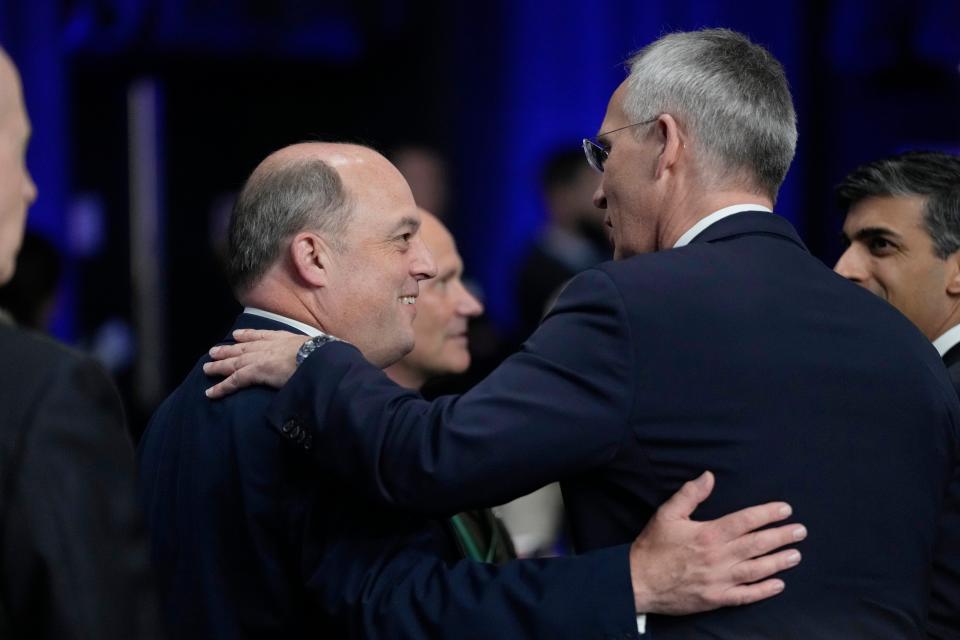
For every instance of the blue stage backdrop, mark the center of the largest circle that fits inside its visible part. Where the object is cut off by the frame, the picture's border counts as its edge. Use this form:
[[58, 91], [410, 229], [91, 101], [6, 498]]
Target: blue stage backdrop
[[540, 78]]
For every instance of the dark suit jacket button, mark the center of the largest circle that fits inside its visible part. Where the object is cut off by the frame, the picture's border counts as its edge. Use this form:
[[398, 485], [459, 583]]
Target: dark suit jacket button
[[288, 426], [308, 443]]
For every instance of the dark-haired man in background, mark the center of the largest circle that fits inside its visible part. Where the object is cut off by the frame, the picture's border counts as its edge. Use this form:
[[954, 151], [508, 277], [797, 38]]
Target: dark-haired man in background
[[902, 230], [573, 239]]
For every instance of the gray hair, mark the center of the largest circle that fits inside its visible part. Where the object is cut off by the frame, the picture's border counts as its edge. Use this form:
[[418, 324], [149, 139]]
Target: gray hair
[[731, 94], [275, 204], [931, 175]]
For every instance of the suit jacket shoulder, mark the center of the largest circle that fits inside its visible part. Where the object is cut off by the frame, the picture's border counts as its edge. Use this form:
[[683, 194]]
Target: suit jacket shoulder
[[73, 548]]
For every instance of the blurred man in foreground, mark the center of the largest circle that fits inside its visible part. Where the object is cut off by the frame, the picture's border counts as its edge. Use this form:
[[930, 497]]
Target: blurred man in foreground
[[902, 231], [72, 547]]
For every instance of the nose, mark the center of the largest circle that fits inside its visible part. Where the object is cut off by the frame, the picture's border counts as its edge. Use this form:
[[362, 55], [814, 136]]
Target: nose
[[422, 266], [467, 304], [599, 197], [850, 266]]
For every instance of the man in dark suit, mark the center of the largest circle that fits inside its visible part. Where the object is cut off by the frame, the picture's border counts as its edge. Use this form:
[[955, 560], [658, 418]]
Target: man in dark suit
[[72, 546], [716, 340], [250, 539], [902, 230]]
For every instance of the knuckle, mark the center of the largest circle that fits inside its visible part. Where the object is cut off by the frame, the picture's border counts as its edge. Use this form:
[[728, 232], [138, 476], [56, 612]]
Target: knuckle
[[756, 545], [738, 575], [752, 518], [706, 537], [717, 599]]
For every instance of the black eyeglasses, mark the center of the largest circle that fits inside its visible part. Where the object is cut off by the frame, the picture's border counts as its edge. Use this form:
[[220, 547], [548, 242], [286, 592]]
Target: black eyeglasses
[[597, 154]]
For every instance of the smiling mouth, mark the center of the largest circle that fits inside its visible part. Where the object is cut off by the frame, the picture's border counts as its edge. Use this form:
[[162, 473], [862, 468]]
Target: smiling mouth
[[408, 299]]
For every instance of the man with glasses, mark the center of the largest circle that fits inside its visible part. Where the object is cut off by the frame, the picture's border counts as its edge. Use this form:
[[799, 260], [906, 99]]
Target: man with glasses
[[251, 540], [715, 340]]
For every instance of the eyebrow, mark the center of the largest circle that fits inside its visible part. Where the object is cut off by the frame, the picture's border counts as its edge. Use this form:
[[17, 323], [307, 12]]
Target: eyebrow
[[407, 221], [868, 233]]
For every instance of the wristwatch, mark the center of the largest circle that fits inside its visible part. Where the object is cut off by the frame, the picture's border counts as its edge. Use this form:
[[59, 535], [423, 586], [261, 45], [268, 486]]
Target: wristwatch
[[312, 345]]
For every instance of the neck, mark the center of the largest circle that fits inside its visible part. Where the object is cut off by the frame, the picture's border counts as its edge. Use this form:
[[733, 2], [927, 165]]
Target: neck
[[280, 296], [692, 208], [405, 376]]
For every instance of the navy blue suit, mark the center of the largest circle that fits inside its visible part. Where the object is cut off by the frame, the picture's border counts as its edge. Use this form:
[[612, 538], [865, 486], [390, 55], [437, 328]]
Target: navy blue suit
[[945, 604], [740, 353], [250, 540]]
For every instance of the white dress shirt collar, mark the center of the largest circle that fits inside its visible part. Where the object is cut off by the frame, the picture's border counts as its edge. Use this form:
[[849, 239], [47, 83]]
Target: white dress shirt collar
[[716, 216], [313, 332], [947, 341]]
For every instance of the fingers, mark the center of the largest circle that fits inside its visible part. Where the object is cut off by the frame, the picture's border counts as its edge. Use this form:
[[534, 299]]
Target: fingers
[[734, 525], [223, 351], [746, 594], [763, 542], [251, 335], [226, 386], [757, 569], [223, 367], [688, 497]]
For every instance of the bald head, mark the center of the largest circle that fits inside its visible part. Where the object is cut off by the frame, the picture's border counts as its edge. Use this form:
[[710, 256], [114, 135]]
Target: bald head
[[17, 190], [315, 186]]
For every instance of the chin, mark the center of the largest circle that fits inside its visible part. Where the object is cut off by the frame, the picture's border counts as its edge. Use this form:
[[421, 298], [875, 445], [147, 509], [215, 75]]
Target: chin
[[457, 363]]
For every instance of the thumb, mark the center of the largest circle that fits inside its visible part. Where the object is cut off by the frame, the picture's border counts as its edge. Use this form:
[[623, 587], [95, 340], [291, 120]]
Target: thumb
[[683, 503]]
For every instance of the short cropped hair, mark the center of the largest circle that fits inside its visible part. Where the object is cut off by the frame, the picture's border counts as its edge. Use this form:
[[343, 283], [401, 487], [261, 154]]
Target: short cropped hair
[[274, 205], [931, 175], [732, 95], [561, 168]]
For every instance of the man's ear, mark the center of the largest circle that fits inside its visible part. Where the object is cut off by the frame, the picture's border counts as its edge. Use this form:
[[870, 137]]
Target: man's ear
[[310, 256], [671, 137], [953, 273]]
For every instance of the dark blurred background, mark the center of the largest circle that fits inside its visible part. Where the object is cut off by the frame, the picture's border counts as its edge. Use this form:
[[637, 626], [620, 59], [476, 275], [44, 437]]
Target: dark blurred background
[[149, 114]]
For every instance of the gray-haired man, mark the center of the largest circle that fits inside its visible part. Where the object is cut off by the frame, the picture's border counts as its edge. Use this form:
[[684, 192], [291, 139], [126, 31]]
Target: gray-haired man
[[251, 539], [716, 340]]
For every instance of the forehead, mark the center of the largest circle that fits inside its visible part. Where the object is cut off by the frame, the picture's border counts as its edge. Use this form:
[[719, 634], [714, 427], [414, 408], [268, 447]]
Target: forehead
[[440, 243], [903, 214], [382, 198], [615, 116]]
